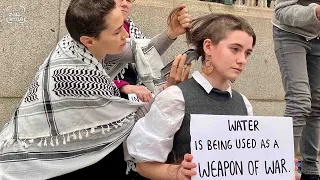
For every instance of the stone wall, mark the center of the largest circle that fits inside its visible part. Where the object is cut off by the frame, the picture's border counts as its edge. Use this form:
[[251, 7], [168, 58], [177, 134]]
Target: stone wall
[[29, 30]]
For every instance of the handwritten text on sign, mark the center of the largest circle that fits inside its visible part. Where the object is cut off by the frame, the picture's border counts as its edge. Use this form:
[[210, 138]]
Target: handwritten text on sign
[[242, 147]]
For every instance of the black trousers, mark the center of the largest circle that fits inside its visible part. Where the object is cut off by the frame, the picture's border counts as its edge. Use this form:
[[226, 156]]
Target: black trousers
[[111, 167]]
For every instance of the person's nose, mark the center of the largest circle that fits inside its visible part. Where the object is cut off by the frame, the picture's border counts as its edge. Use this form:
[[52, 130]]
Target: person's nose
[[242, 59], [124, 3], [125, 34]]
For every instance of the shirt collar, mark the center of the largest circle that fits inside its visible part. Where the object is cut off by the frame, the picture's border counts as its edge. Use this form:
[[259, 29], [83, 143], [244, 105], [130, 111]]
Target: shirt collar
[[205, 83]]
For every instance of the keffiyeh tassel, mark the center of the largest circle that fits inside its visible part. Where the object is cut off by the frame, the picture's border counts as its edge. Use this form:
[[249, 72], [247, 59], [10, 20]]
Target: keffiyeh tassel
[[92, 130], [114, 125], [45, 141], [51, 142], [80, 136], [64, 140], [130, 167], [74, 136], [24, 144], [11, 141], [40, 143], [102, 130], [1, 146], [126, 120], [57, 141], [121, 73], [87, 133], [118, 79]]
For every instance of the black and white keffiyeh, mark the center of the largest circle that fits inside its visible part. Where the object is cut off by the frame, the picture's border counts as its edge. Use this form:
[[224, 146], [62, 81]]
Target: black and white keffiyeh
[[134, 30], [70, 117]]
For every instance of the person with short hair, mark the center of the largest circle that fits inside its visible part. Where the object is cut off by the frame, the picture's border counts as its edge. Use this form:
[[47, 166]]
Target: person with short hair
[[160, 141]]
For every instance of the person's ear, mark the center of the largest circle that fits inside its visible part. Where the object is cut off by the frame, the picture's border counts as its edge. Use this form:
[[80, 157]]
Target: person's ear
[[207, 45], [87, 41]]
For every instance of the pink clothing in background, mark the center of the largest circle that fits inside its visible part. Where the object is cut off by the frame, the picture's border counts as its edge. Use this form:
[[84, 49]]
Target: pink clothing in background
[[120, 83], [126, 26]]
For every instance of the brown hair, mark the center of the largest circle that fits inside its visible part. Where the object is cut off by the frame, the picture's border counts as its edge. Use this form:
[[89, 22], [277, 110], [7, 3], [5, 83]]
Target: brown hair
[[87, 17], [215, 27]]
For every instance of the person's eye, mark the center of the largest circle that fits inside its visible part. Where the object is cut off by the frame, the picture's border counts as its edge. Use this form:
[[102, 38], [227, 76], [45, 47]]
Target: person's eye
[[234, 49], [248, 54]]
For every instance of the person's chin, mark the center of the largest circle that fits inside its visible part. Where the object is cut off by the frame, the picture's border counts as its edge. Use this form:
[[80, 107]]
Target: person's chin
[[120, 49], [233, 77], [117, 51], [125, 15]]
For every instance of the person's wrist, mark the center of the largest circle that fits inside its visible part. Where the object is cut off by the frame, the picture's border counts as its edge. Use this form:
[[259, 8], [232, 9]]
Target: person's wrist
[[179, 171], [172, 35], [165, 86], [125, 89]]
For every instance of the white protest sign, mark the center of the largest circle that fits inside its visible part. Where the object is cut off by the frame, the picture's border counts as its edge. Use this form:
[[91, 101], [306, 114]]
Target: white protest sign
[[242, 147], [134, 97]]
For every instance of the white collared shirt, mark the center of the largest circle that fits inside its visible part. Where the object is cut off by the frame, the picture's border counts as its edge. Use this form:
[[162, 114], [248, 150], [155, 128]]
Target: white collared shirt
[[151, 138]]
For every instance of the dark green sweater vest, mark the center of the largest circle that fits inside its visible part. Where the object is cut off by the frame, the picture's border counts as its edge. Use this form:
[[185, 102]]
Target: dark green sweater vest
[[198, 101]]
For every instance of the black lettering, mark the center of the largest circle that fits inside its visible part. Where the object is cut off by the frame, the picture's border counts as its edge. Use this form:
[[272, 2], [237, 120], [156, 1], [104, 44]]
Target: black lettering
[[256, 122], [135, 98], [215, 144], [232, 127], [213, 169], [265, 144], [239, 124], [250, 168], [275, 144], [237, 167], [204, 172], [246, 143], [253, 167], [221, 169], [275, 167], [243, 125], [219, 144], [283, 162], [209, 144], [268, 169], [198, 143]]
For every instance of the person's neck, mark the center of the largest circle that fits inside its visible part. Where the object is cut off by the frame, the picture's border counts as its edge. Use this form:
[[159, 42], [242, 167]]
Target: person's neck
[[216, 81], [97, 55]]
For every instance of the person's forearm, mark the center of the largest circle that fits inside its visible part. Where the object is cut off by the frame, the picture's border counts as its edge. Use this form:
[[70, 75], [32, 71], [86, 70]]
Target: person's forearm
[[157, 170], [289, 12], [162, 42]]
